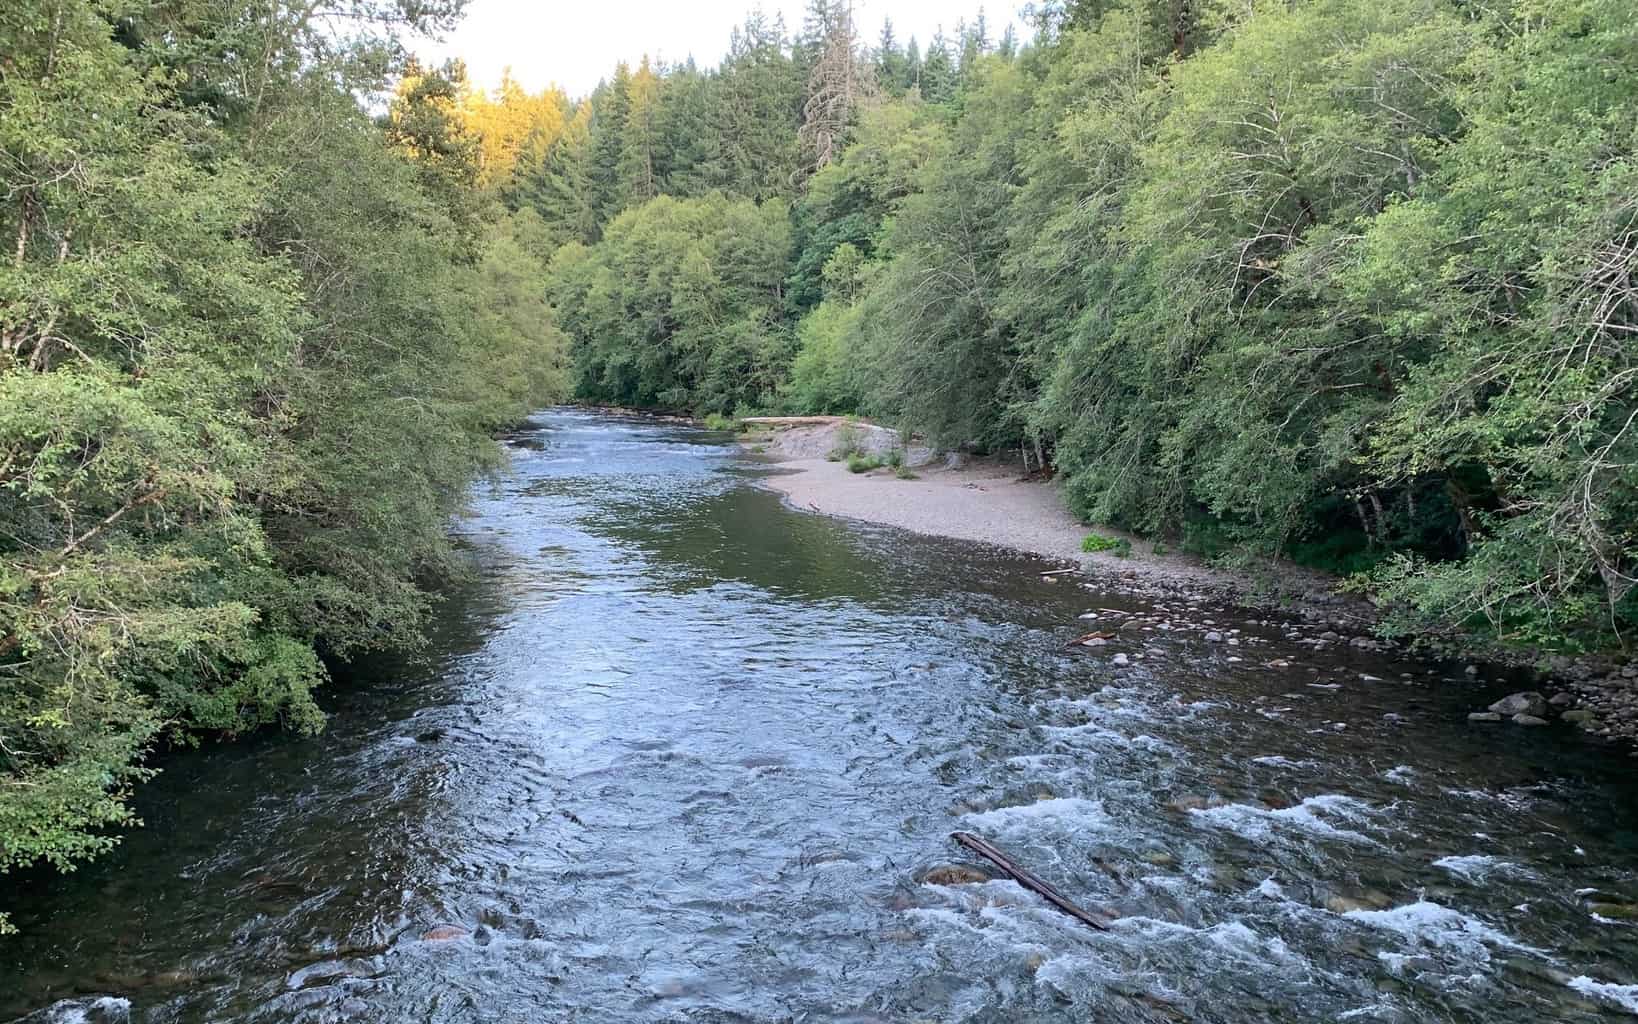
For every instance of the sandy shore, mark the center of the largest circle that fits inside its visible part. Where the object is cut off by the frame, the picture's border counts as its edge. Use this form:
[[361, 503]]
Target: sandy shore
[[987, 502], [979, 504]]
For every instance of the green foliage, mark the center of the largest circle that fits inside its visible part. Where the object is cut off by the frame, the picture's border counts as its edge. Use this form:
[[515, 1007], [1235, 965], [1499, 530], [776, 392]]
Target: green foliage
[[857, 463], [678, 306], [1344, 281], [253, 345], [1094, 543], [848, 444]]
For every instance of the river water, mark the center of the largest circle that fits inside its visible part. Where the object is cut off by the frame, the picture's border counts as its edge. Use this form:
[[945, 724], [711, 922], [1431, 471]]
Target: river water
[[679, 753]]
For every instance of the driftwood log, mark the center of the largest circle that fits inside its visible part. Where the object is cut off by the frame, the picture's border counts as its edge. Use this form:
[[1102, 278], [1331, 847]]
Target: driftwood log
[[1026, 878]]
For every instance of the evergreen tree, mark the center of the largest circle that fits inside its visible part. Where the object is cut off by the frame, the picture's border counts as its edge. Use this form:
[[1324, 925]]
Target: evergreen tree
[[890, 61], [938, 71]]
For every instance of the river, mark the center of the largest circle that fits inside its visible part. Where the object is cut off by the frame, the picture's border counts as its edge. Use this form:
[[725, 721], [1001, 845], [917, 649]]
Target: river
[[679, 753]]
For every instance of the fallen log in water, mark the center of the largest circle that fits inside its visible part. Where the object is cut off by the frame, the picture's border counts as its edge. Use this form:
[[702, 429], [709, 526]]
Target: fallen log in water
[[1024, 877]]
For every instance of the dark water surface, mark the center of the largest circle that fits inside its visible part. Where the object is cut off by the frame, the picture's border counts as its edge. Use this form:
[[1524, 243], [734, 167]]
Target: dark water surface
[[682, 754]]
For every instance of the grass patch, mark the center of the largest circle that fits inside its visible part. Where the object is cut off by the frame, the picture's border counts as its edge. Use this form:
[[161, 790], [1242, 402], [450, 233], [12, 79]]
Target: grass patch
[[857, 463], [717, 421], [1096, 542], [903, 473]]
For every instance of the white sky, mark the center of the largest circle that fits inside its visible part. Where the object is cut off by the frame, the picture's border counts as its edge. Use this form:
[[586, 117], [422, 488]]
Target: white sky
[[576, 43]]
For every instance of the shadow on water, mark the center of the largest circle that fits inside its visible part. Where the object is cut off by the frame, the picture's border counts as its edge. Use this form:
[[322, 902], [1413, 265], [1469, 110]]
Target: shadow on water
[[681, 753]]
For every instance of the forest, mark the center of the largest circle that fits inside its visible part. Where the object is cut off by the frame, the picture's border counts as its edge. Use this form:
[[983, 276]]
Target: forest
[[1351, 283], [255, 341]]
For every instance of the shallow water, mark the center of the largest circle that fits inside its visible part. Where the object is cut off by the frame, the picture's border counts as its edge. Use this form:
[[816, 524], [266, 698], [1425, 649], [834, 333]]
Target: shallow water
[[679, 753]]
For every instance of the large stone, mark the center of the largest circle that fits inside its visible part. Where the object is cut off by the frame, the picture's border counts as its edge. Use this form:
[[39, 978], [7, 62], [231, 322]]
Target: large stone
[[1528, 702], [1528, 720], [954, 874]]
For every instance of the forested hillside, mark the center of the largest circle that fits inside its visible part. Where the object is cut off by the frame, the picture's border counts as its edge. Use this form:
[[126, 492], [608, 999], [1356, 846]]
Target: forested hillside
[[254, 342], [1347, 281]]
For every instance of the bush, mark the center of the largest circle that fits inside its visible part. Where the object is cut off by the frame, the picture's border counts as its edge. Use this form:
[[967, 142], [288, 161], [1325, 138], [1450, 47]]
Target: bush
[[1096, 542], [857, 463], [847, 444]]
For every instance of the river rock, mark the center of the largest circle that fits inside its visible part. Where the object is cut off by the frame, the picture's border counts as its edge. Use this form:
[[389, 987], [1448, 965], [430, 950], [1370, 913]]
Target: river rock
[[1577, 716], [1214, 637], [1484, 716], [1561, 699], [1528, 720], [444, 933], [954, 874], [1120, 659], [1526, 703], [1338, 904]]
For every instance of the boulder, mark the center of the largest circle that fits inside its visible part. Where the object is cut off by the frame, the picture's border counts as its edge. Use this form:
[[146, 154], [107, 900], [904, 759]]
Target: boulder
[[1526, 703], [1528, 720]]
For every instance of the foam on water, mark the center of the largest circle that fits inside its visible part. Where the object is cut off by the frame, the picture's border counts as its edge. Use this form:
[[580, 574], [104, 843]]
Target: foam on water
[[1280, 761], [1270, 889], [1624, 996], [79, 1011], [1433, 926], [1072, 812], [1261, 824], [1231, 938], [1474, 866]]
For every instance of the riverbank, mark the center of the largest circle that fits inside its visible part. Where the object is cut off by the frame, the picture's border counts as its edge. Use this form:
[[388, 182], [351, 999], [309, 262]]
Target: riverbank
[[988, 502]]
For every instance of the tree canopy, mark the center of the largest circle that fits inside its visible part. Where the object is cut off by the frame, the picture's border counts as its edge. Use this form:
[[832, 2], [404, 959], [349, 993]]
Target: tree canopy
[[254, 343], [1347, 282]]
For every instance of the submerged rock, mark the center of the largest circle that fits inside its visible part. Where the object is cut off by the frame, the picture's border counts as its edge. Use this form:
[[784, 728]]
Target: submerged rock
[[1526, 703], [444, 933], [954, 874], [1528, 720], [1484, 716]]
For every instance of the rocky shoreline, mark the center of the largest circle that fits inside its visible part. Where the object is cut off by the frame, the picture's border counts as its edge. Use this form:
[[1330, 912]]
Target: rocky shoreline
[[985, 501]]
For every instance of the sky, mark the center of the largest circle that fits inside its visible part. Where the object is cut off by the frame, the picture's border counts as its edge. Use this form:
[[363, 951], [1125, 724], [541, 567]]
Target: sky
[[574, 44]]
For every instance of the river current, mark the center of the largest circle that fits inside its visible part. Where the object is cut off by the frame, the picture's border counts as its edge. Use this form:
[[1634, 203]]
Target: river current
[[677, 752]]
